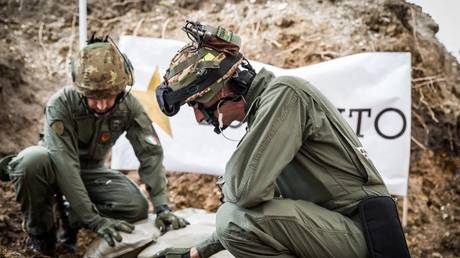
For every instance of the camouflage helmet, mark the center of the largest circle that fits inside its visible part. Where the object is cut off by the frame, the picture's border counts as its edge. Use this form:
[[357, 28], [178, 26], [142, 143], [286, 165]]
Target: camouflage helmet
[[101, 70], [200, 69]]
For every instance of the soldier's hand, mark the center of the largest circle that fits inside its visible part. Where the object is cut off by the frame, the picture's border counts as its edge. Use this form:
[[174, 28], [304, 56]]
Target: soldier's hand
[[166, 219], [110, 229], [173, 253]]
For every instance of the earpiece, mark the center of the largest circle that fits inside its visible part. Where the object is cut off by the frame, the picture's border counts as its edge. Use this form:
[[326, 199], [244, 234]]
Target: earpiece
[[241, 80]]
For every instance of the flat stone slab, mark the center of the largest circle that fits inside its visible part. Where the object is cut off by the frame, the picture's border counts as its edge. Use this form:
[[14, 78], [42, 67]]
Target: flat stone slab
[[202, 225], [146, 239], [144, 233]]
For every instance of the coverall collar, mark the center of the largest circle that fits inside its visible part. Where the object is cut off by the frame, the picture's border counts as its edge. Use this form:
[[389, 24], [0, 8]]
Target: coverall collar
[[258, 86]]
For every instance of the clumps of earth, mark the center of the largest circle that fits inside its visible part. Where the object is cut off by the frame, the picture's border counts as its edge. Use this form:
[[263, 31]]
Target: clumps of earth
[[39, 36]]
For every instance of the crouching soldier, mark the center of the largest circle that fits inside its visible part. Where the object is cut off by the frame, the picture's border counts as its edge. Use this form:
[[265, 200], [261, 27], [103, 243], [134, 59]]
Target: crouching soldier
[[82, 123], [299, 184]]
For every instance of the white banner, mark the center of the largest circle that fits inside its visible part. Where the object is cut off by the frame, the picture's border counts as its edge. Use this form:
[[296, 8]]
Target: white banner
[[371, 90]]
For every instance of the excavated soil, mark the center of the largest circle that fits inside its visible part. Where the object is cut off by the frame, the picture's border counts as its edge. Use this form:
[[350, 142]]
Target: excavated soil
[[38, 37]]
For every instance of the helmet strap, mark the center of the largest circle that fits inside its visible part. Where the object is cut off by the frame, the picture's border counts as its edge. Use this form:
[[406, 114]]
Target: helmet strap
[[210, 119], [84, 102], [221, 124], [124, 95]]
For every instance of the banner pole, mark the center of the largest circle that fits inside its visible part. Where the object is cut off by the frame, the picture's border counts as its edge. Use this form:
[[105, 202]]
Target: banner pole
[[82, 6], [405, 209]]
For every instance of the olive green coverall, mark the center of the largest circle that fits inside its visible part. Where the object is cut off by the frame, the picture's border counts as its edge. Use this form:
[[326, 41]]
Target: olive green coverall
[[70, 159], [299, 146]]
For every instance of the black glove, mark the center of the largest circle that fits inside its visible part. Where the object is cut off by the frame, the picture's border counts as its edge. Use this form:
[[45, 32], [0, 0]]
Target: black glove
[[166, 218], [110, 229], [173, 253]]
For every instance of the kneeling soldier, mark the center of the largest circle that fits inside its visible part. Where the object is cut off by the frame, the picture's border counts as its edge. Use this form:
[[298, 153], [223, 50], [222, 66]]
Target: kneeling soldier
[[82, 123], [300, 184]]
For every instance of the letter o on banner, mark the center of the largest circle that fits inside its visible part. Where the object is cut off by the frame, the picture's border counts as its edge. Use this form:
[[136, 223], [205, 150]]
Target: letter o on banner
[[404, 125]]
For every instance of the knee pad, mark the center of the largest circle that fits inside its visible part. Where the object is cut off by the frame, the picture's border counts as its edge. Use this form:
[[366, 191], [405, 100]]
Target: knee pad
[[382, 228]]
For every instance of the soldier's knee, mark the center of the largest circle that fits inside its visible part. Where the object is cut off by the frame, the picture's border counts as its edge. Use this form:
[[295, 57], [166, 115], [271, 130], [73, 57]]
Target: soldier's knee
[[143, 208], [232, 227], [30, 163], [228, 216], [140, 209]]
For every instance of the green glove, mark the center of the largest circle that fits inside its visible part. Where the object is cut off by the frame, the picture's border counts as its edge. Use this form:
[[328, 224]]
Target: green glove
[[166, 218], [110, 229], [173, 253]]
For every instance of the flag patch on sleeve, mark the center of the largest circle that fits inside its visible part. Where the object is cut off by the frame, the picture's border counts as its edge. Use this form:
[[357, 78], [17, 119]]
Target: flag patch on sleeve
[[152, 140]]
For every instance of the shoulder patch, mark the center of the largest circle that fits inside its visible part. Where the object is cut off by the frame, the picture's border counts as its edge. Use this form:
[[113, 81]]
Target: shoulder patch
[[58, 127], [152, 140]]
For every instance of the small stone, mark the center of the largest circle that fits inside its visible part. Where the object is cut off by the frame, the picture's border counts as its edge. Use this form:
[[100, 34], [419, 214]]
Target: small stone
[[282, 6], [284, 22]]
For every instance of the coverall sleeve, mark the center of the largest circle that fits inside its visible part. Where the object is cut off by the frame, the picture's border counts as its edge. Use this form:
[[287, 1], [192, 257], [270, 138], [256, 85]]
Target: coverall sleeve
[[272, 140], [148, 150], [209, 246], [62, 144]]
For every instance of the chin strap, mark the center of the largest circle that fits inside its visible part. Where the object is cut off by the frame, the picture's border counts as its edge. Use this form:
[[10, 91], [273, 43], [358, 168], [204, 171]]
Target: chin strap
[[211, 120], [221, 123], [218, 123], [126, 93], [209, 113], [120, 98]]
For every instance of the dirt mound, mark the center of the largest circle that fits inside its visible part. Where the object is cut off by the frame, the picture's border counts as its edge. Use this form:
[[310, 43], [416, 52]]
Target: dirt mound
[[39, 36]]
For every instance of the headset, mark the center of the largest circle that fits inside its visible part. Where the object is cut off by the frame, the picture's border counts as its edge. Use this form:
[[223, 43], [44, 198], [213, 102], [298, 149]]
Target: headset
[[241, 80]]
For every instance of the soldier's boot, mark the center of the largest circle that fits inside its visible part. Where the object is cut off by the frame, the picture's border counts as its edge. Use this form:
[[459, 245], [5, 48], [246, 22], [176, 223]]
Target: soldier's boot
[[68, 239], [4, 174], [69, 233], [44, 244]]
